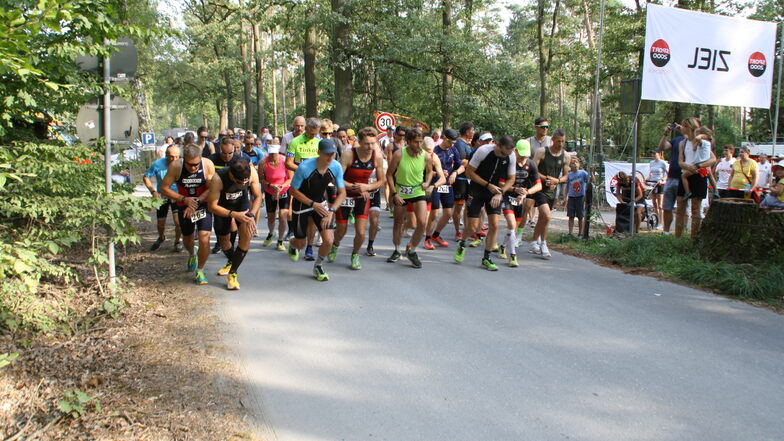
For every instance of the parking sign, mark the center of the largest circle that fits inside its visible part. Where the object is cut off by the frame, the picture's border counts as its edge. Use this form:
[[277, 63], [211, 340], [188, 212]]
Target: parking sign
[[148, 138]]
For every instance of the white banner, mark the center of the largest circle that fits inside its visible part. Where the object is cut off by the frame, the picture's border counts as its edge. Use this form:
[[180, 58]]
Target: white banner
[[611, 169], [694, 57]]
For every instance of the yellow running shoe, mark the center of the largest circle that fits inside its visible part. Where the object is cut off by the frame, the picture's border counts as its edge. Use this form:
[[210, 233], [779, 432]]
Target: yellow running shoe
[[225, 270], [232, 284]]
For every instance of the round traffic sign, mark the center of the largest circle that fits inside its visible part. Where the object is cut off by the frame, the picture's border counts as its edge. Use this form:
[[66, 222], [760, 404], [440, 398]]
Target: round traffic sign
[[384, 121], [122, 64]]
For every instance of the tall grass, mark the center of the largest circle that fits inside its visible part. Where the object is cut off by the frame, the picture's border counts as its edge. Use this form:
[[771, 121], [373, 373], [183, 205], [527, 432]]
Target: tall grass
[[678, 259]]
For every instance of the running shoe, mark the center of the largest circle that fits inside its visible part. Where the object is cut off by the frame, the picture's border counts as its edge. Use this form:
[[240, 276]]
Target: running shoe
[[293, 254], [519, 241], [483, 233], [232, 283], [370, 251], [535, 248], [267, 241], [460, 253], [225, 270], [200, 278], [458, 236], [355, 262], [309, 253], [476, 242], [321, 276], [428, 245], [351, 219], [156, 244], [216, 249], [544, 251], [513, 261], [192, 261], [502, 252], [281, 247], [489, 265], [177, 247], [394, 257], [495, 248], [378, 227], [412, 256], [440, 242], [332, 254]]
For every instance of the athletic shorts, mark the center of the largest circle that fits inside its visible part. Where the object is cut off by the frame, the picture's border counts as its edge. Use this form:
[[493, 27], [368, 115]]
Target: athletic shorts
[[539, 198], [479, 200], [658, 189], [670, 192], [163, 210], [704, 172], [411, 201], [549, 200], [188, 227], [361, 210], [508, 207], [223, 225], [460, 189], [698, 185], [272, 204], [375, 201], [443, 200], [298, 224], [575, 207]]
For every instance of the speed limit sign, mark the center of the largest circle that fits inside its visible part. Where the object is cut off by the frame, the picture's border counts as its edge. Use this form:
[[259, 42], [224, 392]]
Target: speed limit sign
[[384, 121]]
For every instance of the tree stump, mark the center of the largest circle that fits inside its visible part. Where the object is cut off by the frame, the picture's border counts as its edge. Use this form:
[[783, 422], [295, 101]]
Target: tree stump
[[738, 231]]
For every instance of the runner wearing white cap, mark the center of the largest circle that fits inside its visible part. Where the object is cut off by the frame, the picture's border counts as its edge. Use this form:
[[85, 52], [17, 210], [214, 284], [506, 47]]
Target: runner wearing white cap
[[275, 178]]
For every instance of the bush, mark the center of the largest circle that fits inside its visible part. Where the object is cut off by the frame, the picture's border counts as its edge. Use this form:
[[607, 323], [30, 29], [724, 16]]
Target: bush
[[51, 198]]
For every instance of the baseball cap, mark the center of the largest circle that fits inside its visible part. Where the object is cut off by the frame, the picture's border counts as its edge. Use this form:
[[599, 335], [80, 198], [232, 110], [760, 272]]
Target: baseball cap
[[778, 164], [326, 145], [523, 147], [350, 132], [273, 148], [486, 137], [451, 134]]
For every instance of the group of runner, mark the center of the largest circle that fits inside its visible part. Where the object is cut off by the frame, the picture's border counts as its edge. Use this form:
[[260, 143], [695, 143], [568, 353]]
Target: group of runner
[[329, 180]]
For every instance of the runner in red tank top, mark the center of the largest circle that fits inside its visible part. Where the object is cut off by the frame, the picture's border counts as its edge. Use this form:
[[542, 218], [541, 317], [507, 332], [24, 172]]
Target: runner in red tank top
[[358, 163]]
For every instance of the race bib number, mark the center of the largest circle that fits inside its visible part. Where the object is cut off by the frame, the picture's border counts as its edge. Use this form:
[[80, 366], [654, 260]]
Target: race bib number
[[443, 189], [406, 190], [283, 195], [233, 196], [348, 202], [513, 202], [199, 215]]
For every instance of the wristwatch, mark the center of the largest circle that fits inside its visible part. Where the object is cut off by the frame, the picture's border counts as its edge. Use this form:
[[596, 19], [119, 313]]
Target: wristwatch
[[332, 209]]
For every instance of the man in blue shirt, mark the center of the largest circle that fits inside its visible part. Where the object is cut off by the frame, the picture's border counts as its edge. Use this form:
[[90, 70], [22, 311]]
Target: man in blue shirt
[[254, 154], [670, 190], [158, 169], [309, 205]]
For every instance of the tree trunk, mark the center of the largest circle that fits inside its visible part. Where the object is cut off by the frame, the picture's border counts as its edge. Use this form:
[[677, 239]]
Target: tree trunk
[[545, 57], [446, 76], [309, 52], [139, 98], [344, 75], [223, 117], [274, 101], [469, 12], [576, 133], [259, 63], [247, 84], [283, 95], [711, 116]]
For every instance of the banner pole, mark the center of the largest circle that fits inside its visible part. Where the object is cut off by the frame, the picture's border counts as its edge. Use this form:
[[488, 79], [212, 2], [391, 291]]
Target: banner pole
[[778, 92]]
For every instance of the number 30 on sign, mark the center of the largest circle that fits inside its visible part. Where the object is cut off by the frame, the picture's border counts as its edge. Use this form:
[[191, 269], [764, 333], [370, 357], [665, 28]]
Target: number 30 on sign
[[384, 121]]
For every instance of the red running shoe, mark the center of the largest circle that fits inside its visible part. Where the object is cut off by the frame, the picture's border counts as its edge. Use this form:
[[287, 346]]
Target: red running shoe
[[428, 245], [440, 242]]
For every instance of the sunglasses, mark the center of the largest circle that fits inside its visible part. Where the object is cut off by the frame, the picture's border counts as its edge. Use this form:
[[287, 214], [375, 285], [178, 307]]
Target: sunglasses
[[193, 164], [543, 126]]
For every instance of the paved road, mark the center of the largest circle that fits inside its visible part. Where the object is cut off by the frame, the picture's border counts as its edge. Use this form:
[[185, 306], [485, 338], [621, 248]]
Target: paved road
[[553, 350]]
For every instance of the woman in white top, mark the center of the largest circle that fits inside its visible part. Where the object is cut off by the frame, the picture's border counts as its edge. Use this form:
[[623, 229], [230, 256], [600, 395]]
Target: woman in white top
[[698, 149], [698, 183], [657, 176]]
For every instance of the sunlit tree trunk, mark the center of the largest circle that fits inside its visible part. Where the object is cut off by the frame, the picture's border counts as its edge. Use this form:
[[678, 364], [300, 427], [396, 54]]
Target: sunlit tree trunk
[[344, 76], [309, 52]]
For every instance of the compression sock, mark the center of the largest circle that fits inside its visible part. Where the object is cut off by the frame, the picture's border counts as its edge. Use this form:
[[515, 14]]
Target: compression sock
[[436, 234], [487, 254], [236, 260], [233, 238], [520, 231], [511, 239], [229, 253], [370, 243], [319, 259]]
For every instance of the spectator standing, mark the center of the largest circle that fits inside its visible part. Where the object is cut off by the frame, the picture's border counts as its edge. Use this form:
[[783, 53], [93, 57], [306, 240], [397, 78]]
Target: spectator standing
[[743, 178], [698, 184], [657, 176], [670, 190], [575, 206], [723, 171], [764, 172]]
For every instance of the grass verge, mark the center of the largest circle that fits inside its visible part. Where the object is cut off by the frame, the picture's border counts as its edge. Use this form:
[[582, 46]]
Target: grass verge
[[677, 260]]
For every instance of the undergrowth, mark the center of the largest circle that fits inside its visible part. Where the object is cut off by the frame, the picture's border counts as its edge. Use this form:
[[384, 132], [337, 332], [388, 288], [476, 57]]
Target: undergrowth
[[677, 259]]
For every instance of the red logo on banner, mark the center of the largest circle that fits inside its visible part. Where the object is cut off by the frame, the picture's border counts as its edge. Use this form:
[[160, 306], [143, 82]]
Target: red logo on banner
[[757, 64], [660, 53]]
